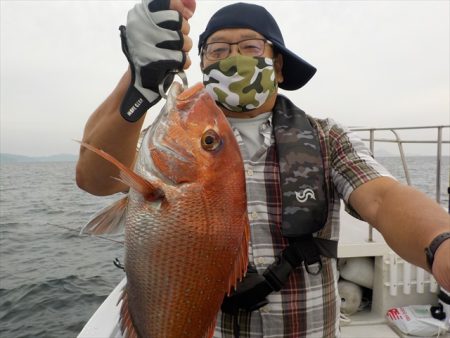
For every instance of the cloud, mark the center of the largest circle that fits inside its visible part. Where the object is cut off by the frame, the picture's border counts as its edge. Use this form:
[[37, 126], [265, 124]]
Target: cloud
[[379, 63]]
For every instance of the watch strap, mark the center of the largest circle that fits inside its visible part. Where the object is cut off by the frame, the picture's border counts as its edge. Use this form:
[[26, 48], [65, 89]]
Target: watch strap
[[434, 245]]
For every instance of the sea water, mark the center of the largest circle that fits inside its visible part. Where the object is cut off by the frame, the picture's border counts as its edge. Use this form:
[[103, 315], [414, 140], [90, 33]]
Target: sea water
[[51, 278]]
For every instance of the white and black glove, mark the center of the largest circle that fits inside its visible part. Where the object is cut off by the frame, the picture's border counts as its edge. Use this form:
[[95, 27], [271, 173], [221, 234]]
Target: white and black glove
[[152, 42]]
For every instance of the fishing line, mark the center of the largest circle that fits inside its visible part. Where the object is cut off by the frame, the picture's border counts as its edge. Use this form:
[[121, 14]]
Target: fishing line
[[86, 235]]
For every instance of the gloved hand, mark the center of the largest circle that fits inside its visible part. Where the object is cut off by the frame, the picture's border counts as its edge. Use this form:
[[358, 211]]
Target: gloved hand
[[152, 41]]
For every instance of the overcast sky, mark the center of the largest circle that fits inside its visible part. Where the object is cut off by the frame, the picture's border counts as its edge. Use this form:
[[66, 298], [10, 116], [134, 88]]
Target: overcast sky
[[380, 63]]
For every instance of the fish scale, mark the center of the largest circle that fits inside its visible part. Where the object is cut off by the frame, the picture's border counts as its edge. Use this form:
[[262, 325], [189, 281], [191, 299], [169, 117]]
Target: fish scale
[[175, 260], [186, 224]]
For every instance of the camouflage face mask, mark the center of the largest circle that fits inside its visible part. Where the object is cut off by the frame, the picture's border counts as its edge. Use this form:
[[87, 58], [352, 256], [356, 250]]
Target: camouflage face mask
[[240, 83]]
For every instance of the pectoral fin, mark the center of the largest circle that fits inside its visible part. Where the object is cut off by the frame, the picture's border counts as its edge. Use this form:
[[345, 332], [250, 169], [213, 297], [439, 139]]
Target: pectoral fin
[[110, 220], [148, 189]]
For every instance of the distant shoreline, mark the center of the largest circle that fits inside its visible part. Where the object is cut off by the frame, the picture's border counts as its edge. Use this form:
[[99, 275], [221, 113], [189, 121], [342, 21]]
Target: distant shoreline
[[13, 158]]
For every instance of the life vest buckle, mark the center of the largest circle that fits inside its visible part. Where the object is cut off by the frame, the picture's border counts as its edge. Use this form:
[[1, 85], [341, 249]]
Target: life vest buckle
[[315, 271]]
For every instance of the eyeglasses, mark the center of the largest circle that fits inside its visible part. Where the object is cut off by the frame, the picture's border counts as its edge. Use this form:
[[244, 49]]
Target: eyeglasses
[[216, 51]]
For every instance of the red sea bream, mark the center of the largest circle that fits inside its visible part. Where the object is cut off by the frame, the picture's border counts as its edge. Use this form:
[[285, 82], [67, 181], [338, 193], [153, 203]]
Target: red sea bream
[[185, 218]]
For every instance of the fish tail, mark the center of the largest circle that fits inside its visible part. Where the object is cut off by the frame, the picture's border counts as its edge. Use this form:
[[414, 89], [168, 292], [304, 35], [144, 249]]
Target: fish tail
[[128, 176]]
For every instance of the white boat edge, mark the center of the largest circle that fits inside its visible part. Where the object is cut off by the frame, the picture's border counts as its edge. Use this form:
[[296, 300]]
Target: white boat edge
[[104, 322]]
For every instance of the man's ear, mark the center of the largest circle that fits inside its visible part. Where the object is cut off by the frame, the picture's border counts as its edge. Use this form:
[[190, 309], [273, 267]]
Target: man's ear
[[278, 67]]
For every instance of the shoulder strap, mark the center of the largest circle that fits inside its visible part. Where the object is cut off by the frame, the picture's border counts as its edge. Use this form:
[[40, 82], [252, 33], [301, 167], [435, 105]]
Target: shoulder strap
[[302, 178]]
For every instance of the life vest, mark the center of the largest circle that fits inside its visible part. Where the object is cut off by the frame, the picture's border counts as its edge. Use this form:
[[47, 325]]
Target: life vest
[[304, 208]]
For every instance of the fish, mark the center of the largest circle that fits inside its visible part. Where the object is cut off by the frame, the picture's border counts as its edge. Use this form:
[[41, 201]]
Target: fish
[[185, 220]]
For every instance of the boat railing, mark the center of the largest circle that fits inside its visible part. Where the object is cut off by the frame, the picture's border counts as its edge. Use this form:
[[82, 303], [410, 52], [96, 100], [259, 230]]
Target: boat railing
[[438, 140]]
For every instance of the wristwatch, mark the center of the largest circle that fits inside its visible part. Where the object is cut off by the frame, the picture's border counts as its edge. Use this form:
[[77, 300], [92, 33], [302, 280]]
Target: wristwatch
[[434, 245]]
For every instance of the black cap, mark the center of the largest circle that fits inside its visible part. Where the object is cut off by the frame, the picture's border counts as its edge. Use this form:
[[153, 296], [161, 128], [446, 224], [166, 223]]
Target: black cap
[[296, 71]]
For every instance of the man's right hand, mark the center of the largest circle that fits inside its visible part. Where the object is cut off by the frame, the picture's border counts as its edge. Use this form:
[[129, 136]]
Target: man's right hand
[[155, 42], [105, 128]]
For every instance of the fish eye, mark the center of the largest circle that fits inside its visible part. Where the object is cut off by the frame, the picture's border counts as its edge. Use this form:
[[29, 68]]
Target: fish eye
[[210, 140]]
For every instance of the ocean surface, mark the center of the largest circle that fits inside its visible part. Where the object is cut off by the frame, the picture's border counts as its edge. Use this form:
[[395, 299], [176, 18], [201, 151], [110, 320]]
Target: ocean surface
[[51, 278]]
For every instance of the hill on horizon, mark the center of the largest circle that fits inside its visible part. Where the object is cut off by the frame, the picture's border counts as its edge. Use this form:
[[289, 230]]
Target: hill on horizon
[[13, 158]]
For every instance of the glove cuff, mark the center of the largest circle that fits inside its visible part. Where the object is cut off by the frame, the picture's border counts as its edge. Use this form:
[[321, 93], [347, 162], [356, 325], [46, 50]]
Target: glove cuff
[[134, 104]]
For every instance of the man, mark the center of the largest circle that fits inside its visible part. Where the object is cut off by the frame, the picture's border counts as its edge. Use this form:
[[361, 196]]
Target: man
[[241, 49]]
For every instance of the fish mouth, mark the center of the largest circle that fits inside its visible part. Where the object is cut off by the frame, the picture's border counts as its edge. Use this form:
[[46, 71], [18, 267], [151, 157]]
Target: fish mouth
[[175, 90]]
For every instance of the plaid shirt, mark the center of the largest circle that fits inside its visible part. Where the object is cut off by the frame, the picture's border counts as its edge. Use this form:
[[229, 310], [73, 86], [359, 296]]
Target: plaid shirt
[[308, 305]]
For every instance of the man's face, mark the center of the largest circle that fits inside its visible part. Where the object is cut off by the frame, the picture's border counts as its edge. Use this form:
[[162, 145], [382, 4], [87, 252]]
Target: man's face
[[235, 35]]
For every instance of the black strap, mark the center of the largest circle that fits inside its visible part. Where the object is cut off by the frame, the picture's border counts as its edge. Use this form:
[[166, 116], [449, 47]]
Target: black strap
[[304, 197], [251, 293], [443, 297]]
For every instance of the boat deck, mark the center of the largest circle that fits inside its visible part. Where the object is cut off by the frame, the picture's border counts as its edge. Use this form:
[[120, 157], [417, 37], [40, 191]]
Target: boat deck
[[396, 282], [353, 243]]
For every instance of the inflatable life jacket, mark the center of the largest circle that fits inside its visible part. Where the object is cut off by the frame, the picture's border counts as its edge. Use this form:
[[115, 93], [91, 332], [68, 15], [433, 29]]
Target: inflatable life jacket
[[304, 209]]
